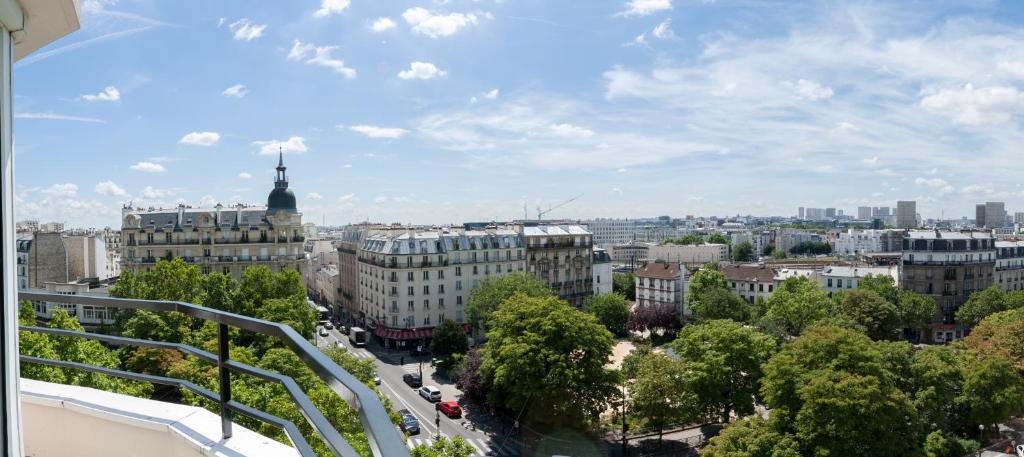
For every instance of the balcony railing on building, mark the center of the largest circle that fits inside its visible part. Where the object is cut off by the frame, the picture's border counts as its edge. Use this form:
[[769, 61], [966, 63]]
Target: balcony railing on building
[[383, 436]]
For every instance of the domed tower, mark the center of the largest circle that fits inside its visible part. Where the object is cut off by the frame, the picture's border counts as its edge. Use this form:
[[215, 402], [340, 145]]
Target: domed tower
[[281, 198]]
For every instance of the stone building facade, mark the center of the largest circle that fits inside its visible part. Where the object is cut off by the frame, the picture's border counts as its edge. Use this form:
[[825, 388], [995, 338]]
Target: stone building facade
[[227, 240], [562, 256], [948, 267]]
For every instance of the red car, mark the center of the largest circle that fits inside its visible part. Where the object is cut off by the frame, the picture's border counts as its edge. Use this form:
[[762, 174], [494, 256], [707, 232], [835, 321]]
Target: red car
[[449, 408]]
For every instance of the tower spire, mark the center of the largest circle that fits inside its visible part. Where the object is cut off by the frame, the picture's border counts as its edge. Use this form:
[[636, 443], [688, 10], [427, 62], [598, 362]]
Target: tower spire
[[280, 156]]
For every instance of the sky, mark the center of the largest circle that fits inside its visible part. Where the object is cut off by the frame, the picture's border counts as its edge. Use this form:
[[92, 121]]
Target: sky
[[433, 112]]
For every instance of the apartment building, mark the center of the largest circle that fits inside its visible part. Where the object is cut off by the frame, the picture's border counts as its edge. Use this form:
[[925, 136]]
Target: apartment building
[[608, 232], [787, 239], [689, 255], [562, 256], [602, 270], [218, 239], [348, 246], [835, 278], [906, 214], [661, 283], [630, 253], [750, 281], [857, 242], [759, 239], [948, 267], [1010, 265], [990, 215], [112, 238], [410, 280]]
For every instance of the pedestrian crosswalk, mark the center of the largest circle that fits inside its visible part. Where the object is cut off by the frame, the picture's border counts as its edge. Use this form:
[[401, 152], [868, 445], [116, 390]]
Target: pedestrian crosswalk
[[481, 445]]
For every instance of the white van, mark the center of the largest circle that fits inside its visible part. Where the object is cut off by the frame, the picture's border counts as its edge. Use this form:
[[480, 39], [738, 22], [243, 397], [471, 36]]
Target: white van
[[430, 393]]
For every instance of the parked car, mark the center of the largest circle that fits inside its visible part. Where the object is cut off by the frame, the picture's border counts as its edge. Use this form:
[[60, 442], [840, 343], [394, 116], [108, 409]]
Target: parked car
[[328, 325], [430, 393], [449, 408], [376, 378], [322, 332], [408, 424], [413, 380]]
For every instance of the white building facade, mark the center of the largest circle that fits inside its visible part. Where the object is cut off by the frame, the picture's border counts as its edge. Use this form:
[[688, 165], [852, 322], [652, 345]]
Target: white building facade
[[659, 283], [1010, 265], [602, 270], [690, 255]]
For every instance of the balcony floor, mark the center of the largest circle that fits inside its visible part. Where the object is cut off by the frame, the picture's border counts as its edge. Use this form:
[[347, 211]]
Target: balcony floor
[[62, 420]]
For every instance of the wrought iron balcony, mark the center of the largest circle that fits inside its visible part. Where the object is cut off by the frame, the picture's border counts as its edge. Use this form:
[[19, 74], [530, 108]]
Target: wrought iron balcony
[[383, 436]]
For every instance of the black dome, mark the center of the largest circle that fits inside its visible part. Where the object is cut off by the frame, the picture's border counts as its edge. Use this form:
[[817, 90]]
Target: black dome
[[281, 199]]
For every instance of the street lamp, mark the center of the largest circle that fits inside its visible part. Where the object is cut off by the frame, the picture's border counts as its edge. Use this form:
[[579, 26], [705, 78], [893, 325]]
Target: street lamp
[[981, 439]]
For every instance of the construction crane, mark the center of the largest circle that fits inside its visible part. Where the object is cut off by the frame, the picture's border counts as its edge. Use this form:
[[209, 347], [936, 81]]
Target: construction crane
[[541, 213]]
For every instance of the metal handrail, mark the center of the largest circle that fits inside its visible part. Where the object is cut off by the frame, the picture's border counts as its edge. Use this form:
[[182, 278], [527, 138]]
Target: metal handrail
[[289, 428], [312, 414], [384, 438]]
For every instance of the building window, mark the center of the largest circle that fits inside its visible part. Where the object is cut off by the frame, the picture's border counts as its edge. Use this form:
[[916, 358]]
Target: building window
[[411, 291], [412, 306], [458, 271], [426, 275], [458, 299], [440, 302], [440, 274], [426, 304], [426, 290]]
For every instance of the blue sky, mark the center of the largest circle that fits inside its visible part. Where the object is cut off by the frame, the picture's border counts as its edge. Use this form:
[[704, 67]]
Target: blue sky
[[447, 111]]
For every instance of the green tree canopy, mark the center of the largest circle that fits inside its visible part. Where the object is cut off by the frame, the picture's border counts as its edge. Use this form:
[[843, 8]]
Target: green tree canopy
[[719, 303], [744, 252], [444, 447], [658, 396], [717, 238], [987, 302], [879, 317], [706, 278], [624, 284], [449, 338], [993, 389], [723, 359], [1000, 334], [752, 437], [611, 310], [489, 295], [548, 357], [796, 304]]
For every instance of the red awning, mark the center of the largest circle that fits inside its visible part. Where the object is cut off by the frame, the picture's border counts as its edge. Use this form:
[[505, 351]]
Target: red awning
[[404, 333]]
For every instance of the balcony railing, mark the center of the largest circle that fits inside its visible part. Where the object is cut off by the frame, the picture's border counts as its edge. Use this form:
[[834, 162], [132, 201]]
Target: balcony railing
[[384, 438]]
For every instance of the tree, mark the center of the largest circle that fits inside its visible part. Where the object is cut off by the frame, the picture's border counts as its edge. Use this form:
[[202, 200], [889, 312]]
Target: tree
[[915, 311], [835, 385], [489, 295], [779, 254], [717, 238], [937, 376], [449, 338], [444, 447], [796, 304], [769, 249], [987, 302], [811, 248], [999, 334], [689, 238], [219, 291], [744, 252], [548, 358], [659, 319], [752, 437], [939, 444], [719, 303], [658, 396], [704, 279], [993, 389], [879, 317], [724, 361], [611, 310], [625, 285], [469, 381], [883, 285]]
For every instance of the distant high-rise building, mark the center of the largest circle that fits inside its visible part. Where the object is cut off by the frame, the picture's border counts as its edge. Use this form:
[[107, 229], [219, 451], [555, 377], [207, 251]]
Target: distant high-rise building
[[800, 213], [906, 214], [830, 213], [990, 214], [1018, 217], [863, 212], [881, 212]]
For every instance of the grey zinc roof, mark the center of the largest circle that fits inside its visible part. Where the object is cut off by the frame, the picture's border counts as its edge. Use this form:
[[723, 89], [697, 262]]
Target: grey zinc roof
[[434, 242], [931, 235], [554, 230], [252, 215]]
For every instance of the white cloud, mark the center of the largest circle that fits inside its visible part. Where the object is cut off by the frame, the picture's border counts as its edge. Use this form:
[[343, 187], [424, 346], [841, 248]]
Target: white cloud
[[244, 175], [871, 161], [621, 170], [294, 144], [373, 131], [938, 184], [237, 91], [491, 94], [617, 190], [108, 94], [61, 190], [329, 7], [970, 106], [809, 90], [977, 189], [314, 196], [845, 127], [645, 7], [245, 30], [321, 57], [153, 193], [639, 40], [148, 167], [110, 188], [571, 131], [200, 138], [382, 24], [825, 169], [421, 70], [663, 30], [58, 117], [433, 25], [207, 201], [347, 197], [347, 165]]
